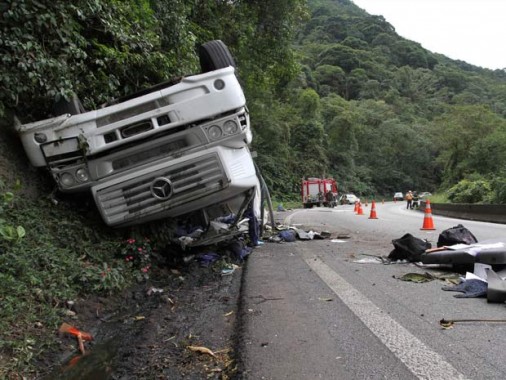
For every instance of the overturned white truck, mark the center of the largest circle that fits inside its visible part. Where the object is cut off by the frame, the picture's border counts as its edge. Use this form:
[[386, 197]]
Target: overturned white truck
[[178, 150]]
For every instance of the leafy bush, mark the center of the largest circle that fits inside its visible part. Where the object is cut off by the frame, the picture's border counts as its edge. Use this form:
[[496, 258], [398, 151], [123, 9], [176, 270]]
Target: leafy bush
[[499, 190], [470, 191], [104, 278], [137, 253]]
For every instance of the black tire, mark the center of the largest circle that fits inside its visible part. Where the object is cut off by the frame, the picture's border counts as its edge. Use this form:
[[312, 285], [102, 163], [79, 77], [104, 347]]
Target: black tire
[[64, 106], [215, 55]]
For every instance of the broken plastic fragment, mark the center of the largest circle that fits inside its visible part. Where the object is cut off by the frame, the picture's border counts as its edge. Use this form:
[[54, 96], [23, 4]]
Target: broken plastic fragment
[[80, 335], [229, 270], [68, 329], [496, 287]]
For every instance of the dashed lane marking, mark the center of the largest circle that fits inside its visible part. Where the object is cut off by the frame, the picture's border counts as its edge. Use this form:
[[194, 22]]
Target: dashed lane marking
[[418, 358]]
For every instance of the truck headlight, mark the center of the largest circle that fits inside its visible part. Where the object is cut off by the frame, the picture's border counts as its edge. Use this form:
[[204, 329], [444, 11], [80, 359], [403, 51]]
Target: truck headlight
[[67, 179], [230, 127], [219, 84], [82, 175], [40, 137], [214, 132]]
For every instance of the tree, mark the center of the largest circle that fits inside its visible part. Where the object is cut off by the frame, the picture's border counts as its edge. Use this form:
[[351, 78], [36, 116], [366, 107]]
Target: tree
[[460, 131]]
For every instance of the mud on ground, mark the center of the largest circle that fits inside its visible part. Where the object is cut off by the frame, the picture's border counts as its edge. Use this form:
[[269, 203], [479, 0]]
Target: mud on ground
[[158, 330]]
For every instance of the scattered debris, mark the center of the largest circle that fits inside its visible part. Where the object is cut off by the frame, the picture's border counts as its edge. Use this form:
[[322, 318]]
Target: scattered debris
[[228, 270], [153, 290], [80, 335], [240, 249], [496, 291], [202, 350], [408, 248], [448, 323], [287, 235], [325, 234], [264, 299], [369, 260], [456, 235], [417, 277], [470, 288], [207, 258]]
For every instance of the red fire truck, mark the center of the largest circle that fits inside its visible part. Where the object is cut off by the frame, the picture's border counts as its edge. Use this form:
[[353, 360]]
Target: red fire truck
[[317, 192]]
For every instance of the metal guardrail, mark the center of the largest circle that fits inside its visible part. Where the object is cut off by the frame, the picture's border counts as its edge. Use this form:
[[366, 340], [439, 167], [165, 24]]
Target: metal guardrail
[[479, 212]]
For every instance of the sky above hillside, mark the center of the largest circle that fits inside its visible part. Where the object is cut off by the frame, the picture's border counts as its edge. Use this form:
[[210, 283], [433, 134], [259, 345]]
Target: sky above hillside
[[468, 30]]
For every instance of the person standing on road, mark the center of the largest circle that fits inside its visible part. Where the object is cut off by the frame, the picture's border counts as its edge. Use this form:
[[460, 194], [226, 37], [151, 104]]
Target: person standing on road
[[409, 199], [416, 200]]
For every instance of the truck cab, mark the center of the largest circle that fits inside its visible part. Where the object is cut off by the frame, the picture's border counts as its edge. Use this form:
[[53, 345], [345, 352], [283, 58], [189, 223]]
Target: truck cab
[[180, 148]]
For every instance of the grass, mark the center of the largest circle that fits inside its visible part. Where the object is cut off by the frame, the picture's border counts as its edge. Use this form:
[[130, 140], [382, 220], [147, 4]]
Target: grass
[[61, 256], [439, 198], [289, 204]]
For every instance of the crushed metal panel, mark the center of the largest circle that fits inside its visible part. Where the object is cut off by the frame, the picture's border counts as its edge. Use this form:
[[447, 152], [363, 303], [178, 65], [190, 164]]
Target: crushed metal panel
[[492, 251]]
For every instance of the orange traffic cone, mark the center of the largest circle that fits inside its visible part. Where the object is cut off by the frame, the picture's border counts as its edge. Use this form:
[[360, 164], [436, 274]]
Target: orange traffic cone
[[355, 210], [428, 223], [360, 211], [373, 210]]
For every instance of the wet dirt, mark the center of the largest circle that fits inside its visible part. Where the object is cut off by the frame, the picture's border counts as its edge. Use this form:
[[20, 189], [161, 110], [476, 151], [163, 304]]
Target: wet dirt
[[161, 329]]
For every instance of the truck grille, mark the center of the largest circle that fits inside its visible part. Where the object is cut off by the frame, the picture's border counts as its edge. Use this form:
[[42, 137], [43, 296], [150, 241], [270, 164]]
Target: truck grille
[[133, 199]]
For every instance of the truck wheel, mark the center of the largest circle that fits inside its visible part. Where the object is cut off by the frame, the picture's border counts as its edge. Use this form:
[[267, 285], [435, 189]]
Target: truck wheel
[[215, 55], [64, 106]]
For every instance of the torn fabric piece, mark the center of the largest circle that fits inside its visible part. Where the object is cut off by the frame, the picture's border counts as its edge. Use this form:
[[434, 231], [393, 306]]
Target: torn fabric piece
[[470, 288]]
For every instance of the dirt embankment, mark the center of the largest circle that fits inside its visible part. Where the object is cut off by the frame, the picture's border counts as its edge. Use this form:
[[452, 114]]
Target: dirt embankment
[[159, 330]]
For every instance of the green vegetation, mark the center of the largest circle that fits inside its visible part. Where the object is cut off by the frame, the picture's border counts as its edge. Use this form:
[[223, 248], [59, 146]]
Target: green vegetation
[[332, 91], [61, 256]]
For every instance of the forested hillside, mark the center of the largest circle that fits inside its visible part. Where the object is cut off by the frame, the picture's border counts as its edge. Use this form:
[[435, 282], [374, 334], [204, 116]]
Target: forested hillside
[[382, 114], [332, 90]]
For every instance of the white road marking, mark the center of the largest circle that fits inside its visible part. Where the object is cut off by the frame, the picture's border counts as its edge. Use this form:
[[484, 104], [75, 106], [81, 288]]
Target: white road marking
[[420, 359]]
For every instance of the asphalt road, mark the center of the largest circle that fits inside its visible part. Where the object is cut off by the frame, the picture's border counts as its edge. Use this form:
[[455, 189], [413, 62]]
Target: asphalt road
[[315, 310]]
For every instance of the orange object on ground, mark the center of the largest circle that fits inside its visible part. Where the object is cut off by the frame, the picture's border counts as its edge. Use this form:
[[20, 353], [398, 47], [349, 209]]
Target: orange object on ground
[[360, 211], [66, 328], [80, 335], [373, 210], [355, 210], [428, 223]]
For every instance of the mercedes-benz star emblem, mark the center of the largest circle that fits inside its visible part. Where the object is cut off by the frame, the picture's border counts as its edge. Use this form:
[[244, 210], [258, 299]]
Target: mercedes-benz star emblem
[[161, 188]]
